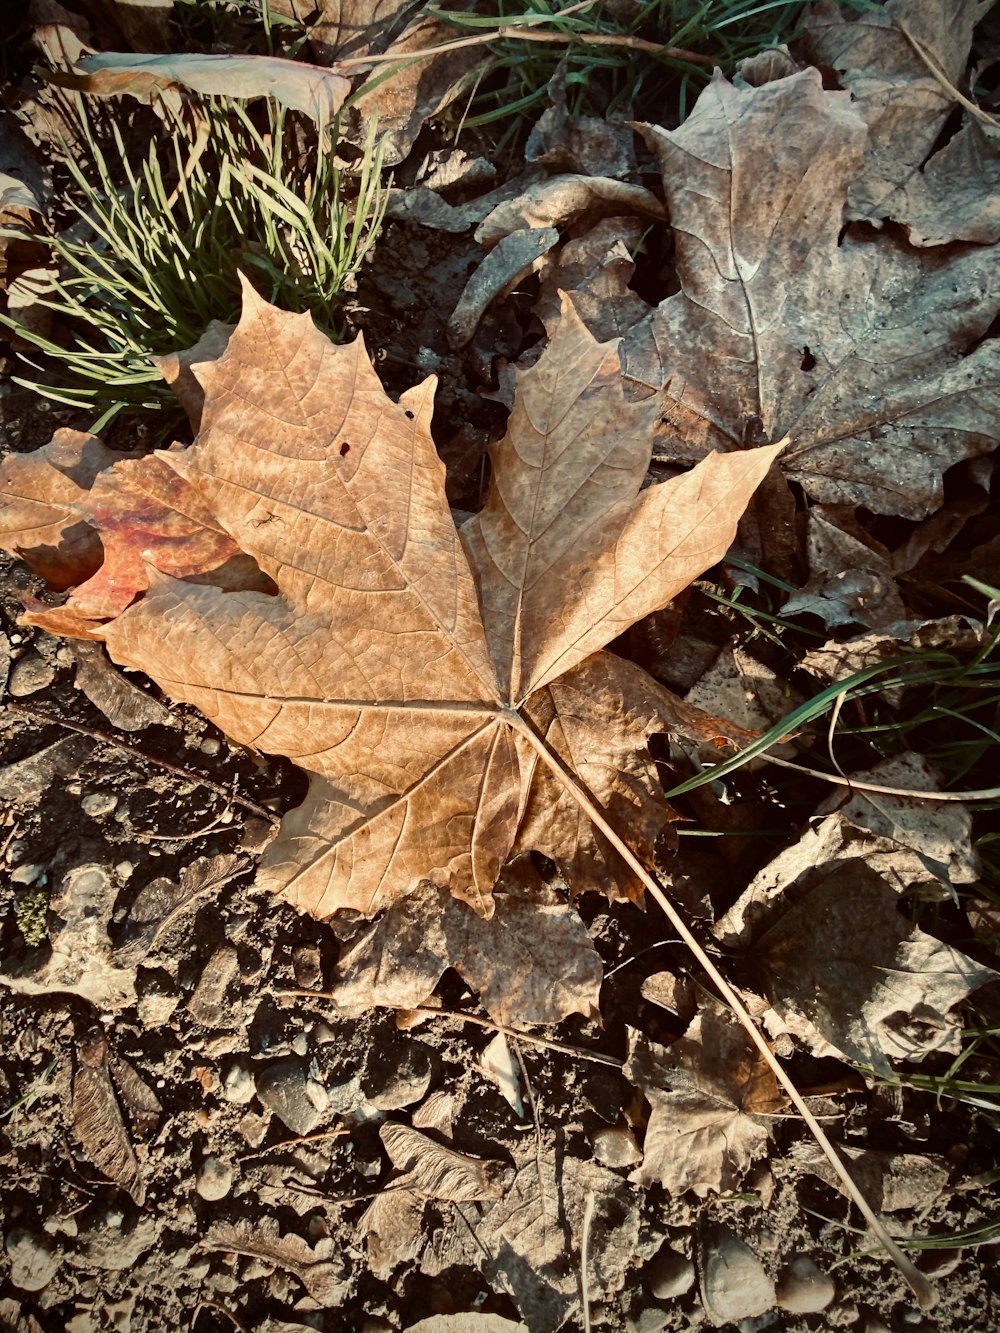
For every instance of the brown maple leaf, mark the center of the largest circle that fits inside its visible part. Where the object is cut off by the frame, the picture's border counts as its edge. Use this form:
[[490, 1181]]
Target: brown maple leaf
[[407, 667]]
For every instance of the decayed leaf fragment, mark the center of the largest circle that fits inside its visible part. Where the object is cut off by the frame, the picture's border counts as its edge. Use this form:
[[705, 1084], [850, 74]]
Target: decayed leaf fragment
[[539, 969], [710, 1094], [394, 659], [872, 357]]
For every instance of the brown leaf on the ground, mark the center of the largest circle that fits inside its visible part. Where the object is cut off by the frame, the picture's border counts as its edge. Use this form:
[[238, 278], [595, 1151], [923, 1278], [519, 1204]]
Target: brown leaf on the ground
[[372, 668], [163, 900], [148, 519], [849, 582], [892, 1182], [710, 1094], [315, 1268], [317, 93], [402, 96], [539, 969], [97, 1118], [38, 519], [905, 107], [847, 973], [869, 355]]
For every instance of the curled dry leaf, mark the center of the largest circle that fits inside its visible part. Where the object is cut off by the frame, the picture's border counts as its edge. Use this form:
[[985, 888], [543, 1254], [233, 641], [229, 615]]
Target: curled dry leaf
[[871, 357], [710, 1094], [401, 664], [317, 93]]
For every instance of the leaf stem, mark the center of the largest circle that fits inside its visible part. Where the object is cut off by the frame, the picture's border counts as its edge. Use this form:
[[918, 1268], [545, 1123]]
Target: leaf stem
[[922, 1288]]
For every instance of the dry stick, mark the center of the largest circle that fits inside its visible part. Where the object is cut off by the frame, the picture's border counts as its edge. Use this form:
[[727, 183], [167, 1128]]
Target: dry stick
[[588, 1213], [105, 738], [942, 78], [986, 794], [922, 1288], [534, 35]]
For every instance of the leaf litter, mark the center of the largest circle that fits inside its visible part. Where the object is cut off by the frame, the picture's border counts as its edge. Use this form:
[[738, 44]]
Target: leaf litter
[[416, 669]]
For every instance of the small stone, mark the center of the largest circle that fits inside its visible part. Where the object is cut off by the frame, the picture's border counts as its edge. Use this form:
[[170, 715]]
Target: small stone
[[207, 1005], [99, 803], [805, 1289], [669, 1274], [29, 675], [397, 1075], [238, 1086], [253, 1127], [33, 1261], [300, 1044], [282, 1088], [614, 1145], [650, 1320], [210, 745], [27, 873], [734, 1285], [215, 1179], [323, 1034], [307, 966]]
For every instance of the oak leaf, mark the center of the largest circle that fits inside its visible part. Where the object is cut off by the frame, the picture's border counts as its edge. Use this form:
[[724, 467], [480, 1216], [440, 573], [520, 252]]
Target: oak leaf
[[405, 666]]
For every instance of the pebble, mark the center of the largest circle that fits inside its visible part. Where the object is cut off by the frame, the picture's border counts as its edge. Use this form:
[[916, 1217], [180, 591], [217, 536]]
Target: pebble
[[238, 1086], [215, 1179], [307, 966], [99, 803], [33, 1262], [282, 1087], [208, 1005], [29, 675], [27, 873], [669, 1274], [805, 1289], [615, 1145], [397, 1077], [734, 1285], [650, 1320], [300, 1044]]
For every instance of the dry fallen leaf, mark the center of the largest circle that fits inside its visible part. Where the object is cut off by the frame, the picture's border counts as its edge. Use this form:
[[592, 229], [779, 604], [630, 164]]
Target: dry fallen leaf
[[317, 93], [403, 666], [710, 1094], [902, 178], [870, 356], [539, 969], [882, 991]]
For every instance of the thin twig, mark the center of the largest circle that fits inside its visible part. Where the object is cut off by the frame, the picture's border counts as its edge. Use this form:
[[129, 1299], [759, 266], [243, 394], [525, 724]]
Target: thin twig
[[105, 738], [518, 1034], [922, 1288], [942, 78], [515, 30], [985, 794], [588, 1214], [319, 1136]]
